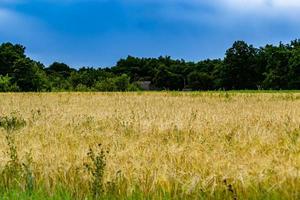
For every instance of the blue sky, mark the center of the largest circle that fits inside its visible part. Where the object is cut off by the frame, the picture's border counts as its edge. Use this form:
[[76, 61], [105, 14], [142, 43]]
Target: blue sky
[[99, 32]]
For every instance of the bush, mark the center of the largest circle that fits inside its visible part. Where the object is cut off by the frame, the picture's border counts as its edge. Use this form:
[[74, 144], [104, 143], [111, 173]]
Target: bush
[[122, 82], [106, 85], [200, 81], [119, 83], [12, 123], [82, 88], [96, 167], [133, 87], [15, 172], [6, 84]]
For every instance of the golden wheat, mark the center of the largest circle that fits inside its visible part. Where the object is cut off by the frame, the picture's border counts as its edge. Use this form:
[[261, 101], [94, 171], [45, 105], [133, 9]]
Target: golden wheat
[[161, 140]]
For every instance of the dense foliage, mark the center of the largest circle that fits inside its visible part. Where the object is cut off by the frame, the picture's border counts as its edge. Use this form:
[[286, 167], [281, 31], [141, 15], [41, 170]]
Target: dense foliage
[[243, 67]]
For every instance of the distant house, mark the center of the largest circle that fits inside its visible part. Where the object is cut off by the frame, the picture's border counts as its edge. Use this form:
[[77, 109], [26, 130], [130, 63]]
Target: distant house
[[145, 85], [187, 90]]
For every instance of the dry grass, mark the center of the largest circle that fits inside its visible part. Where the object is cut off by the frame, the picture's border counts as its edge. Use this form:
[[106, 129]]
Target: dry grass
[[184, 142]]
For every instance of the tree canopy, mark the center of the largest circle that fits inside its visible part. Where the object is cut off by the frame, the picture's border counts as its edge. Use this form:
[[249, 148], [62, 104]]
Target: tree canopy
[[243, 67]]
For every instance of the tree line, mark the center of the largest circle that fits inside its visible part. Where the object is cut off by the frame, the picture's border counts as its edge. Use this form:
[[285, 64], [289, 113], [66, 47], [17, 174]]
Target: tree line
[[244, 66]]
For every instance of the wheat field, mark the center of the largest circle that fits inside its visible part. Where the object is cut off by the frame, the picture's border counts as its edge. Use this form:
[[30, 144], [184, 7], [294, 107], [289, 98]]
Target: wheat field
[[161, 145]]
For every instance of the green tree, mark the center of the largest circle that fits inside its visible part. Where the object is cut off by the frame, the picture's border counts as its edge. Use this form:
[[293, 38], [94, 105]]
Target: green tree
[[59, 69], [122, 82], [118, 83], [30, 76], [200, 81], [9, 54], [106, 85], [277, 66], [6, 84], [89, 76], [239, 70], [59, 83], [164, 79], [293, 75], [59, 76]]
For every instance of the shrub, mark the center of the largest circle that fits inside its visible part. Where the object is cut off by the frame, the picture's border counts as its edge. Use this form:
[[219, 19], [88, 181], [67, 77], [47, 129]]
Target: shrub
[[14, 171], [122, 82], [106, 85], [119, 83], [12, 123], [96, 167], [81, 88], [6, 84], [133, 87], [200, 81]]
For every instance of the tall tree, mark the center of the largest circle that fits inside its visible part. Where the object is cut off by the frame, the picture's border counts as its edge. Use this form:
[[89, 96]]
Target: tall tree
[[9, 54], [60, 69], [165, 79], [239, 69], [293, 76], [6, 84], [277, 66], [29, 75], [200, 81]]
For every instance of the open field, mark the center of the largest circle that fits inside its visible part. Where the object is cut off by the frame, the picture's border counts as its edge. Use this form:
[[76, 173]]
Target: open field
[[207, 145]]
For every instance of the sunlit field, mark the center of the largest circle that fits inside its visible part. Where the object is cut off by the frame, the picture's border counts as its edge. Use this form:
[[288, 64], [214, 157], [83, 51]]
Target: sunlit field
[[160, 145]]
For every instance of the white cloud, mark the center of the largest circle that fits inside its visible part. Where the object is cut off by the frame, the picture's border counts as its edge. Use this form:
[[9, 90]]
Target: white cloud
[[262, 6], [266, 7], [288, 10], [8, 19], [262, 3], [16, 24], [230, 4], [29, 31], [229, 9]]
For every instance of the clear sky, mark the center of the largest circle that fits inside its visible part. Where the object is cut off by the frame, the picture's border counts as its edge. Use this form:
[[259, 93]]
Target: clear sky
[[99, 32]]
